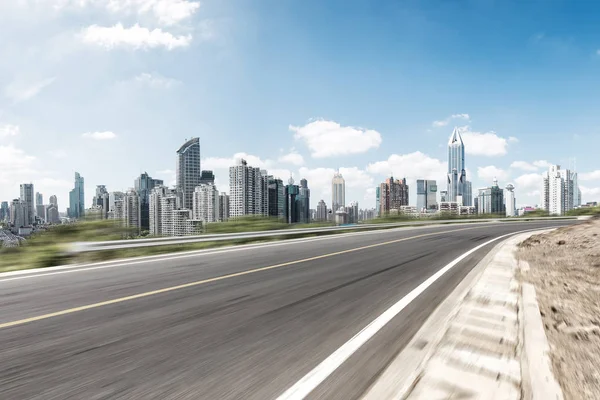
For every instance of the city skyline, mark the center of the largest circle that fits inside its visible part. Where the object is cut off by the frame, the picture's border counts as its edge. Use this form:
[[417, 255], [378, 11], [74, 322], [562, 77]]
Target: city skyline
[[111, 107]]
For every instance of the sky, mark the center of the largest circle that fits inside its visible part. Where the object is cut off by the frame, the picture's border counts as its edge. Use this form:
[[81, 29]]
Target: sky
[[112, 88]]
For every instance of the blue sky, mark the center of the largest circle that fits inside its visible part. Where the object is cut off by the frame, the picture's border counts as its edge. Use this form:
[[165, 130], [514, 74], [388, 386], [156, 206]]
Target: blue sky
[[111, 88]]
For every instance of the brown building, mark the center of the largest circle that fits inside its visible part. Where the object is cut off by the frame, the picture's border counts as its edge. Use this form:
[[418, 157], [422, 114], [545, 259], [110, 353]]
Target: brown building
[[393, 194]]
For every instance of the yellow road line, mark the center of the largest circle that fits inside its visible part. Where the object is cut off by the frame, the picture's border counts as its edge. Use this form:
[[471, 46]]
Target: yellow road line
[[215, 279]]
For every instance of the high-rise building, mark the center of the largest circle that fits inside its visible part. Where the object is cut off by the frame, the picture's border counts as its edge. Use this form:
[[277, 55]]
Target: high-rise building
[[40, 210], [443, 196], [143, 185], [112, 198], [4, 211], [338, 191], [131, 211], [53, 200], [100, 202], [19, 214], [77, 198], [51, 213], [223, 207], [321, 211], [292, 214], [168, 206], [559, 188], [206, 203], [491, 200], [510, 204], [303, 202], [393, 195], [352, 211], [276, 198], [248, 190], [118, 211], [188, 172], [27, 198], [155, 218], [426, 195], [207, 177], [457, 175], [377, 200]]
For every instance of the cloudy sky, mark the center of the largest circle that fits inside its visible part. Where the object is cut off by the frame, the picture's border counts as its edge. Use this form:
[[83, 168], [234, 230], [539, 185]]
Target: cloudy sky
[[111, 88]]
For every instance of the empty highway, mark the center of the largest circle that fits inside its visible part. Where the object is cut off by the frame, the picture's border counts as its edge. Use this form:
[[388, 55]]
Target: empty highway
[[251, 323]]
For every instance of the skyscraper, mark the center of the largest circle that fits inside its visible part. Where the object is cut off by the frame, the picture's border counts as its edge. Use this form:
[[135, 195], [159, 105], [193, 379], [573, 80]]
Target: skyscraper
[[303, 202], [155, 217], [223, 207], [188, 172], [276, 198], [101, 201], [510, 200], [143, 185], [206, 203], [249, 190], [338, 191], [291, 203], [426, 195], [19, 214], [392, 195], [4, 211], [40, 210], [131, 211], [491, 200], [77, 198], [457, 175], [53, 200], [377, 200], [559, 192], [27, 198], [321, 211]]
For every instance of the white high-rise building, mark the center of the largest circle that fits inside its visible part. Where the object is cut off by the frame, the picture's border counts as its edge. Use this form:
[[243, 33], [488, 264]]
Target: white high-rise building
[[132, 211], [248, 190], [27, 198], [188, 171], [223, 207], [338, 192], [155, 208], [509, 198], [168, 205], [559, 191], [457, 175], [118, 212], [206, 203]]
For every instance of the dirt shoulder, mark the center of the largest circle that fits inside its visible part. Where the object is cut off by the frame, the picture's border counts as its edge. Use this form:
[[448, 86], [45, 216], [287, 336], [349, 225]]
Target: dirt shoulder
[[565, 270]]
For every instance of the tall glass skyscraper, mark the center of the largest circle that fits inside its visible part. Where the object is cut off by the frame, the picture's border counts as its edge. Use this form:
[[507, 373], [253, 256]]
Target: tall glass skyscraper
[[27, 198], [77, 198], [457, 175], [188, 172], [143, 185], [338, 192]]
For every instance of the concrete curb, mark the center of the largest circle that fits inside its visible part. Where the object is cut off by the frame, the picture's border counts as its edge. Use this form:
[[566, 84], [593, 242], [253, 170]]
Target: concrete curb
[[535, 360]]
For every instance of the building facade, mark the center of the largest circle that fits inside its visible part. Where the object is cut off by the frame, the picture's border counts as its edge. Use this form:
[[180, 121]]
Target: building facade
[[559, 192], [206, 203], [155, 217], [188, 172], [143, 185], [491, 200], [77, 198], [426, 195], [457, 175], [338, 191], [51, 214], [276, 198], [19, 214], [101, 200], [292, 212], [393, 194], [223, 207], [321, 214], [248, 190], [303, 202], [27, 198], [207, 177], [132, 211], [4, 211], [510, 201]]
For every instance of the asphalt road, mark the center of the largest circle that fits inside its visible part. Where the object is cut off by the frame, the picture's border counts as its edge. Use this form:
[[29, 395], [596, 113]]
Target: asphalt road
[[243, 324]]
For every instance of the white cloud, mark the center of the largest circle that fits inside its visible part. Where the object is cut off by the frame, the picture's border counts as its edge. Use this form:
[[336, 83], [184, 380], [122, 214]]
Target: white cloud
[[9, 130], [444, 122], [542, 164], [483, 144], [528, 182], [58, 153], [512, 139], [587, 191], [135, 37], [328, 138], [411, 166], [523, 165], [167, 12], [490, 172], [590, 176], [19, 91], [292, 158], [106, 135], [156, 81]]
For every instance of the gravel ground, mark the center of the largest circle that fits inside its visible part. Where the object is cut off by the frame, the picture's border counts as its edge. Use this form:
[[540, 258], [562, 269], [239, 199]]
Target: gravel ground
[[565, 270]]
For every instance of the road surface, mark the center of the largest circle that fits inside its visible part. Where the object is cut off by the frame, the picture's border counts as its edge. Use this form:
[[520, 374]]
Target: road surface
[[228, 324]]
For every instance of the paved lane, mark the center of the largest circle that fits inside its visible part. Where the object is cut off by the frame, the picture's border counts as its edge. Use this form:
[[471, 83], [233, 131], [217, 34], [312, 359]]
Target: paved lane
[[249, 335]]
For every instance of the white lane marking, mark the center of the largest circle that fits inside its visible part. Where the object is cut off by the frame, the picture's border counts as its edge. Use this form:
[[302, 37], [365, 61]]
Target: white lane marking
[[65, 269], [314, 378]]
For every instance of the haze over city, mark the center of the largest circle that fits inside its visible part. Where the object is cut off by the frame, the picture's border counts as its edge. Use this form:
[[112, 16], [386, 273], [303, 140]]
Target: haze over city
[[111, 90]]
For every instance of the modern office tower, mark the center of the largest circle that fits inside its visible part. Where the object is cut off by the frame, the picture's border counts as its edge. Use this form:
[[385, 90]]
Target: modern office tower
[[291, 203], [426, 195], [52, 214], [352, 211], [377, 200], [132, 212], [143, 185], [510, 200], [4, 211], [476, 204], [27, 198], [101, 201], [321, 211], [19, 213], [40, 210], [457, 175], [248, 190], [558, 190], [155, 217], [338, 191], [207, 177], [188, 172], [491, 200], [53, 200], [276, 198], [206, 203], [77, 198], [223, 207], [392, 195], [303, 202]]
